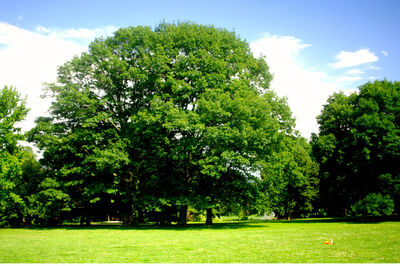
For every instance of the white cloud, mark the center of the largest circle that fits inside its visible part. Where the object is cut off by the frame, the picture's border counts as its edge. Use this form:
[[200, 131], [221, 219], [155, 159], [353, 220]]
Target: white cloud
[[306, 90], [81, 33], [355, 71], [41, 29], [373, 78], [384, 53], [346, 79], [349, 59], [373, 68], [29, 59], [348, 91]]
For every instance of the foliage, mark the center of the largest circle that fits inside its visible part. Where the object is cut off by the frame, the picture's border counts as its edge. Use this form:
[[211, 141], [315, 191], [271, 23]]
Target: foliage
[[290, 180], [22, 202], [12, 110], [49, 204], [149, 120], [23, 190], [374, 205], [358, 146]]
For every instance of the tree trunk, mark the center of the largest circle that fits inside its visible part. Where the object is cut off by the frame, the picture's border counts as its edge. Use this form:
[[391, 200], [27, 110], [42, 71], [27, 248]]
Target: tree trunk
[[182, 215], [140, 216], [209, 216], [88, 220], [129, 217]]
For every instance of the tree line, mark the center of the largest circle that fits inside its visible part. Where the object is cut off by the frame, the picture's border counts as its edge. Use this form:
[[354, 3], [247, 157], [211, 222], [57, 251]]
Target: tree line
[[164, 124]]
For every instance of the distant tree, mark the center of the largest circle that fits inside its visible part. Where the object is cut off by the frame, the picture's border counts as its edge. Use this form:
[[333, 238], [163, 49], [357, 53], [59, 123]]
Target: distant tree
[[358, 146], [12, 110], [49, 205], [290, 180], [373, 205], [21, 176]]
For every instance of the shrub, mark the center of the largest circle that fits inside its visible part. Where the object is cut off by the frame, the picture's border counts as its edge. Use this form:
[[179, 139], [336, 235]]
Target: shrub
[[374, 205]]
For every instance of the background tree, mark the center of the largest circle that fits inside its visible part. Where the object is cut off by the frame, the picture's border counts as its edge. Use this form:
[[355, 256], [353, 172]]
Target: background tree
[[23, 192], [290, 180], [12, 110], [358, 146], [81, 152]]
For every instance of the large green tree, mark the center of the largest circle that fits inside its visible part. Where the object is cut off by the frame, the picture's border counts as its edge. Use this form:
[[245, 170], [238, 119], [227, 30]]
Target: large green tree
[[358, 147], [150, 119]]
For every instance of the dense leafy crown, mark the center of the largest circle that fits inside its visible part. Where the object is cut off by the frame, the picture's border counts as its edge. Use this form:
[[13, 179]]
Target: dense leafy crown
[[359, 145], [162, 115]]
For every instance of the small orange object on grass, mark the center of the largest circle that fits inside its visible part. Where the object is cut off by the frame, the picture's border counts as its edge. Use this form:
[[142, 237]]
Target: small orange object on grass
[[329, 242]]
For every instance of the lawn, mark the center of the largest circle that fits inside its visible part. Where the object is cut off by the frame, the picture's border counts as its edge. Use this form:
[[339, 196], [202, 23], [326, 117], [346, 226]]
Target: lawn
[[299, 241]]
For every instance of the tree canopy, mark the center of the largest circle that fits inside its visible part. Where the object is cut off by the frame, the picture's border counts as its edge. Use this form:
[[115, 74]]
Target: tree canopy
[[149, 120], [12, 111], [290, 180], [358, 147]]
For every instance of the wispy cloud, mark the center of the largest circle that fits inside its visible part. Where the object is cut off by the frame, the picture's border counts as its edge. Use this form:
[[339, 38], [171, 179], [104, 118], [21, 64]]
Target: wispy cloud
[[41, 29], [80, 33], [354, 71], [348, 79], [373, 68], [384, 53], [350, 59]]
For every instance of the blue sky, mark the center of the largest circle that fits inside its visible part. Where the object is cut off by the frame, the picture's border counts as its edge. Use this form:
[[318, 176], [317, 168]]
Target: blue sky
[[314, 48]]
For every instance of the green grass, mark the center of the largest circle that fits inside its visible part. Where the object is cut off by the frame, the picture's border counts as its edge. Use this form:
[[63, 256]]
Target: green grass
[[300, 241]]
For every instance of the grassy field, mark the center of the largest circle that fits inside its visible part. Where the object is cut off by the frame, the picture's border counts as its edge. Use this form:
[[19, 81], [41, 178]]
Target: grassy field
[[299, 241]]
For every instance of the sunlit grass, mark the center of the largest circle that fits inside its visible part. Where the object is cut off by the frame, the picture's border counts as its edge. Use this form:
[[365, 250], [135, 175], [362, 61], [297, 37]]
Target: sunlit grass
[[240, 242]]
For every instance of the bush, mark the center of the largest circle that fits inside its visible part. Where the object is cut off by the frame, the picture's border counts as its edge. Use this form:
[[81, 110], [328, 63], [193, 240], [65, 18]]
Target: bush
[[374, 205], [50, 204]]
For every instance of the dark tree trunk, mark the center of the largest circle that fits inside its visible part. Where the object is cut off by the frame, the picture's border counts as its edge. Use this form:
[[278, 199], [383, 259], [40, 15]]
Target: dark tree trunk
[[129, 219], [129, 216], [209, 216], [163, 218], [88, 220], [85, 220], [140, 216], [182, 215]]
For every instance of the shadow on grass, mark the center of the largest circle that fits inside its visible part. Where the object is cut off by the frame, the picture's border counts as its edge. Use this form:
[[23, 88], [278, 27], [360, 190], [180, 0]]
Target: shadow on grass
[[173, 227], [223, 225], [348, 220]]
